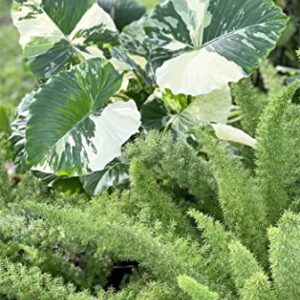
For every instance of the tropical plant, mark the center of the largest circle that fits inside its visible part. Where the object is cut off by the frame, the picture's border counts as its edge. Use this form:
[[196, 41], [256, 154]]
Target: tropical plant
[[173, 65]]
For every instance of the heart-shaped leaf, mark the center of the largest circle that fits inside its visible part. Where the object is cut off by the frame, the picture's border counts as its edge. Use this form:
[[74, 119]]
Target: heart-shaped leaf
[[202, 45], [70, 130], [55, 33]]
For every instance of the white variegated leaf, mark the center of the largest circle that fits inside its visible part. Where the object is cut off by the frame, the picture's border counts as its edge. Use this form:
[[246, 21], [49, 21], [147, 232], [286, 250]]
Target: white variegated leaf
[[202, 45], [53, 34], [71, 131]]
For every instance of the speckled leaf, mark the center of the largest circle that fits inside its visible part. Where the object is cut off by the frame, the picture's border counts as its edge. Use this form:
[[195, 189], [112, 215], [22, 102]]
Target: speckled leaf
[[54, 33], [71, 131], [202, 45]]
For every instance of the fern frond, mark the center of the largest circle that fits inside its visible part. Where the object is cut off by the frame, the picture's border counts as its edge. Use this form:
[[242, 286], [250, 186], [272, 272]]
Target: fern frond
[[196, 290], [252, 103], [275, 157], [242, 263], [126, 240], [147, 195], [178, 167], [272, 81], [258, 287], [19, 282], [242, 205], [216, 245], [284, 256]]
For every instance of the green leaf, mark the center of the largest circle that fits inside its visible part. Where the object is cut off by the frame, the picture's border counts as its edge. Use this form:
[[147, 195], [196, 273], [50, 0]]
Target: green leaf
[[70, 130], [202, 45], [66, 185], [123, 12], [113, 175], [18, 137], [155, 114], [56, 33]]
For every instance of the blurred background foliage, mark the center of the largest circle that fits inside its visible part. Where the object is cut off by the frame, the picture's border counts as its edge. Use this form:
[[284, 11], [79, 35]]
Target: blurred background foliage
[[15, 78], [285, 53]]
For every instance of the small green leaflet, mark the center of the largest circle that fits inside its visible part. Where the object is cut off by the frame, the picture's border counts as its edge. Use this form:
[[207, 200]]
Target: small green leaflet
[[56, 33], [202, 45], [72, 129]]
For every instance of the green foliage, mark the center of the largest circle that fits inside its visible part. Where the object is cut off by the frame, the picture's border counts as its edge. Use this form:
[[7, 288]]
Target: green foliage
[[15, 79], [196, 290], [22, 283], [242, 263], [273, 83], [215, 251], [243, 207], [191, 217], [79, 47], [284, 256], [276, 152], [157, 205], [258, 287], [178, 167], [251, 102]]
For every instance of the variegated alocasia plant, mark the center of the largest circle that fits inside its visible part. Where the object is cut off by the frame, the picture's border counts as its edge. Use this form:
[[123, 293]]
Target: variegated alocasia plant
[[202, 45], [178, 62]]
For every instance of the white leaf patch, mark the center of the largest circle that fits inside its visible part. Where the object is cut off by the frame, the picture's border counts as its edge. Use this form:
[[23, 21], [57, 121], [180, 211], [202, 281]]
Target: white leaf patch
[[113, 127], [214, 107], [39, 25], [117, 123], [231, 134], [198, 72], [93, 17]]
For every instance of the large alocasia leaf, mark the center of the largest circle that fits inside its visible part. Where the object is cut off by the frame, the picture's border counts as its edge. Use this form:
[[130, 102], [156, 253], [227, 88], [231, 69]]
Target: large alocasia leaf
[[71, 131], [56, 33], [202, 45]]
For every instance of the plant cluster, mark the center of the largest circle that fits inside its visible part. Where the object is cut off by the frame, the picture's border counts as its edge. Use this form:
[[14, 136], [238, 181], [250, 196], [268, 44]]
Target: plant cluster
[[197, 222], [147, 169]]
